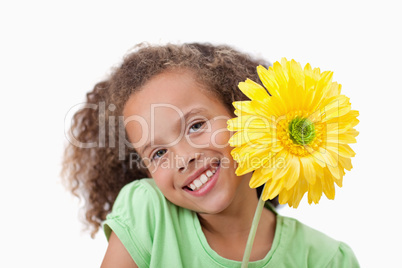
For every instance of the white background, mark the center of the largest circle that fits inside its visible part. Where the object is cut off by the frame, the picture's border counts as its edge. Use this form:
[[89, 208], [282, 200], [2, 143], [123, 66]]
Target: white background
[[53, 52]]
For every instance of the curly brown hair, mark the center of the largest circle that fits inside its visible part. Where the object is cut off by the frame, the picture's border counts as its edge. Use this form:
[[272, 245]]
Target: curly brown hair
[[97, 172]]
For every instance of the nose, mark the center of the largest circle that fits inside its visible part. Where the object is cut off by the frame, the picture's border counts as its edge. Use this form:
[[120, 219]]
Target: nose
[[185, 164], [186, 158]]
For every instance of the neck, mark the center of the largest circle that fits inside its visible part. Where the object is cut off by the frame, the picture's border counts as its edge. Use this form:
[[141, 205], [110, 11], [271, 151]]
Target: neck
[[227, 232], [235, 219]]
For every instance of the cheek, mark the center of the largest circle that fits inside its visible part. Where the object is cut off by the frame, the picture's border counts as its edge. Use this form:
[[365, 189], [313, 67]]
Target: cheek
[[163, 179], [220, 138]]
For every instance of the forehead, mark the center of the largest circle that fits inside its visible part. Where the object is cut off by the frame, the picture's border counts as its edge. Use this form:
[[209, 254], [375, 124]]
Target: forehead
[[177, 88], [164, 99]]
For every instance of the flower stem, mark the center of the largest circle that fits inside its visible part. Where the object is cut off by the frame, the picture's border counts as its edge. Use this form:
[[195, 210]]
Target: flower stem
[[253, 230]]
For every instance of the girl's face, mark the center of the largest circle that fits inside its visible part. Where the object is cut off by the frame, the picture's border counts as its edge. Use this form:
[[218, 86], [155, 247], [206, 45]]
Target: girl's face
[[179, 130]]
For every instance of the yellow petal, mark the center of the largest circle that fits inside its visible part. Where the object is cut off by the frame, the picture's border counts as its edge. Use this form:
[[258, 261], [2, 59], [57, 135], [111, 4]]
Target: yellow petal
[[267, 78], [242, 137], [335, 89], [253, 90], [260, 176], [253, 122], [250, 159], [284, 196], [339, 182], [295, 86], [310, 82], [338, 127], [352, 132], [308, 169], [270, 108], [298, 192], [296, 73], [281, 169], [335, 112], [334, 102], [280, 76], [319, 159], [334, 107], [328, 185], [315, 192], [329, 158], [293, 173], [335, 172], [245, 107], [343, 150], [341, 138], [346, 162], [349, 118], [272, 189], [321, 88]]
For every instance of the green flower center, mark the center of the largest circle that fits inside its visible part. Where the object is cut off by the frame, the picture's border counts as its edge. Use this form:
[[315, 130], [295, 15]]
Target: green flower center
[[301, 130]]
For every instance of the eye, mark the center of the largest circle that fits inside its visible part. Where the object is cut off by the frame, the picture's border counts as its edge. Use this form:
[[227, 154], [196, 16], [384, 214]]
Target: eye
[[196, 127], [158, 154]]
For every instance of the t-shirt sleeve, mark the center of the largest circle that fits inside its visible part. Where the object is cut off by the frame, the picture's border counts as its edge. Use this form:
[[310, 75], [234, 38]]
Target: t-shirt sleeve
[[133, 220], [344, 257]]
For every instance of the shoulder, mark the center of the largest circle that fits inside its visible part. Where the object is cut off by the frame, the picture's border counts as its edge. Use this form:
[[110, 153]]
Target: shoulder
[[145, 222], [138, 193], [138, 189], [310, 238], [137, 202], [134, 218], [312, 247]]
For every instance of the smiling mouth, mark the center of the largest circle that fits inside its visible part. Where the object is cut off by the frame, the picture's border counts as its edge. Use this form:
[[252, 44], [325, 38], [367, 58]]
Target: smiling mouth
[[203, 179]]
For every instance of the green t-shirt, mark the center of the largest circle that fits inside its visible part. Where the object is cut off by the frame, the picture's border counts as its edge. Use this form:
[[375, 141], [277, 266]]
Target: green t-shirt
[[157, 233]]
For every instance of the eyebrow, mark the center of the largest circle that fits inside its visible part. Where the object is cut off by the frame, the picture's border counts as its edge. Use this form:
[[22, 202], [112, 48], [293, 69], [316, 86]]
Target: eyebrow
[[184, 118]]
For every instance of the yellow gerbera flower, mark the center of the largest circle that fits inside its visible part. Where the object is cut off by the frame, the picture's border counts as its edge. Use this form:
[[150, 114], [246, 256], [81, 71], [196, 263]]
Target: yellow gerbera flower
[[294, 136]]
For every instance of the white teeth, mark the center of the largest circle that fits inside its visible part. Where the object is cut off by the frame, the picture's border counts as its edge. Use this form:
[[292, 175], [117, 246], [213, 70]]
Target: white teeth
[[204, 178], [197, 183]]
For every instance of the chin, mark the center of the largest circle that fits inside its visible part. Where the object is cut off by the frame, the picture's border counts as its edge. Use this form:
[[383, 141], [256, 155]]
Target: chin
[[216, 205]]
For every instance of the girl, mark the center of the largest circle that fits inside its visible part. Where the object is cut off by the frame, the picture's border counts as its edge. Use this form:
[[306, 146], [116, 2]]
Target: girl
[[155, 168]]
